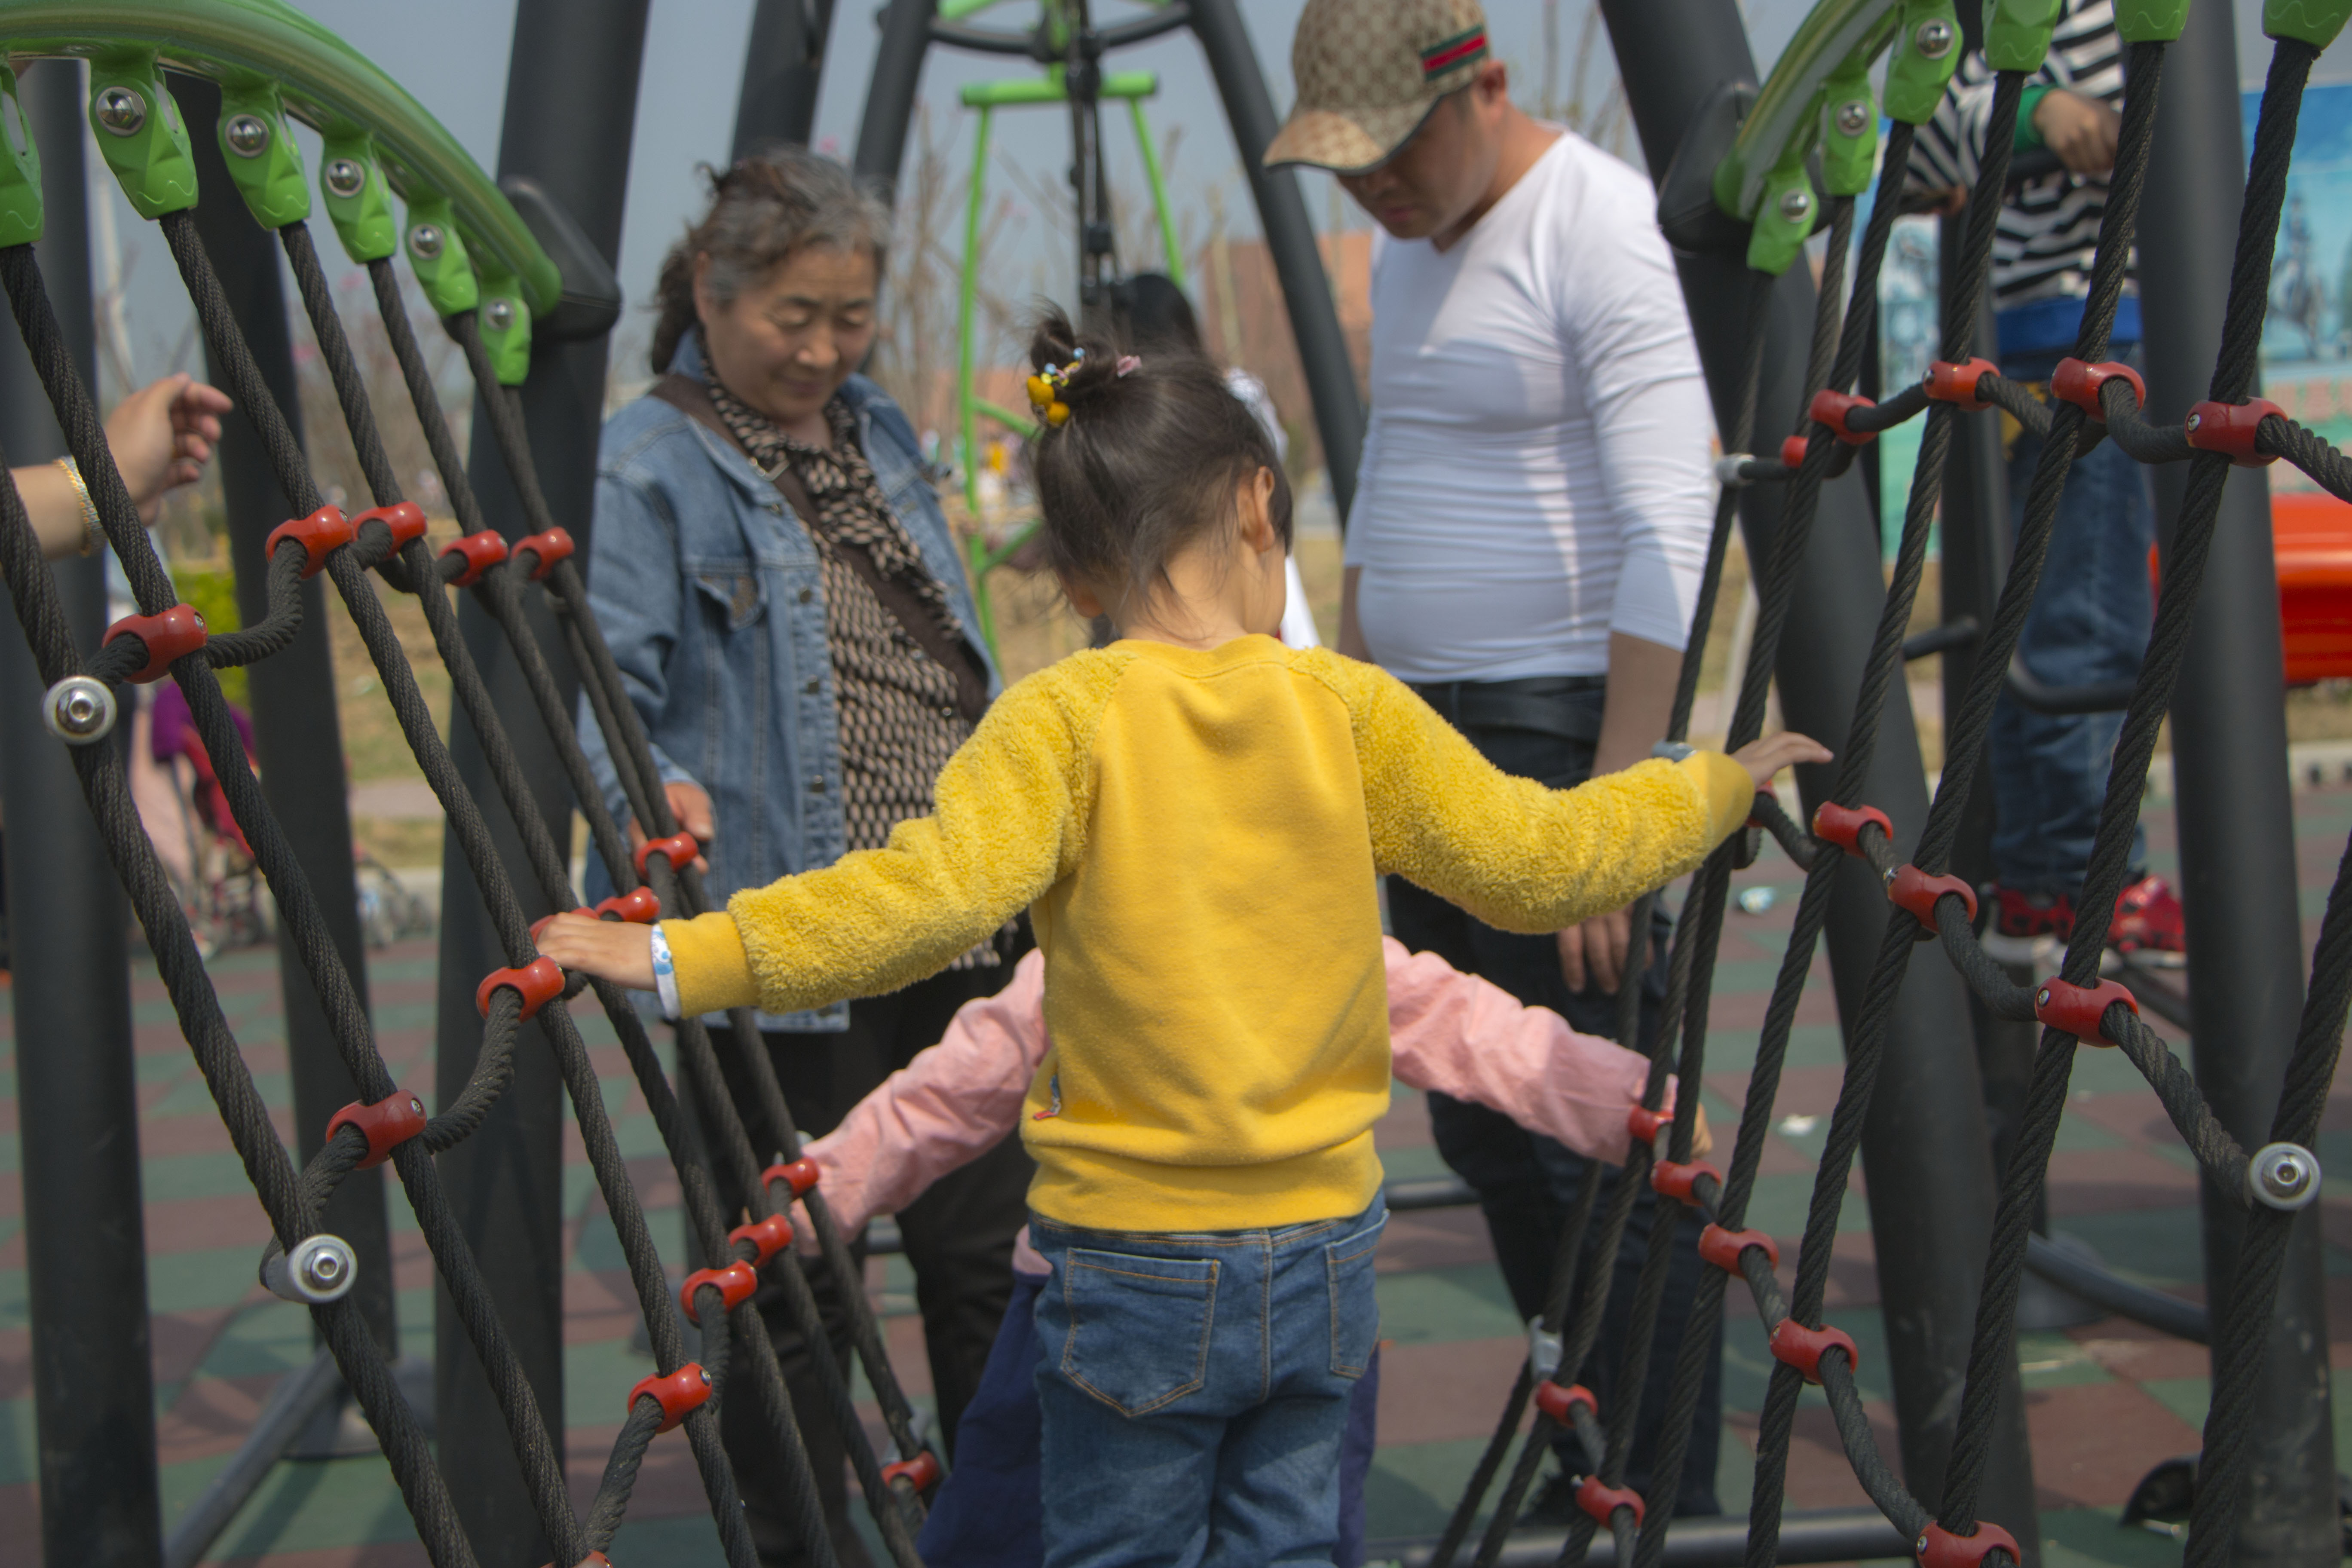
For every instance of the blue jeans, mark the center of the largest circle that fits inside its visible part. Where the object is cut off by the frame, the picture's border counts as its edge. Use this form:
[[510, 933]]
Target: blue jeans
[[1195, 1387], [2089, 622]]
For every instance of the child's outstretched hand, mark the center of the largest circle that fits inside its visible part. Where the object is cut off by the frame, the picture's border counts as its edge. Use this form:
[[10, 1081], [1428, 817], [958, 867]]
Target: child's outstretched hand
[[610, 950], [1768, 756]]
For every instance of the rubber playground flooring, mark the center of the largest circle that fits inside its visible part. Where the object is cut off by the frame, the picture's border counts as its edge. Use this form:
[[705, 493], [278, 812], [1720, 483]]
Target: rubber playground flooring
[[2105, 1402]]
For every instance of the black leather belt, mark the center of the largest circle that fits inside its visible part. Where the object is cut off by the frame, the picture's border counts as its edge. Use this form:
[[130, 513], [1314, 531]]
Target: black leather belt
[[1567, 706]]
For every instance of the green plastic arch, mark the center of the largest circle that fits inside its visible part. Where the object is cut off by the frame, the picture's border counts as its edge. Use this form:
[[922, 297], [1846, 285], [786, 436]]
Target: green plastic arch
[[1786, 107], [323, 82]]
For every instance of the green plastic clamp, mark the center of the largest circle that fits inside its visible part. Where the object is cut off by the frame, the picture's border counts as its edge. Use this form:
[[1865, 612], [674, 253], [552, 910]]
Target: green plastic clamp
[[2314, 21], [20, 168], [1928, 51], [438, 256], [1788, 106], [1849, 129], [2017, 33], [504, 318], [358, 200], [262, 158], [1785, 219], [140, 132]]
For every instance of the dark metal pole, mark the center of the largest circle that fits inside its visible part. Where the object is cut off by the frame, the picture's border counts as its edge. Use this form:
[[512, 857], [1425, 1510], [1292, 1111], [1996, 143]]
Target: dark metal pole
[[1924, 1150], [1290, 239], [296, 728], [890, 96], [570, 113], [783, 66], [76, 1103], [2229, 746]]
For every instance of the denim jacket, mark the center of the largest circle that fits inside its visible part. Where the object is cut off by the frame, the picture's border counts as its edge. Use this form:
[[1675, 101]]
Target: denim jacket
[[709, 592]]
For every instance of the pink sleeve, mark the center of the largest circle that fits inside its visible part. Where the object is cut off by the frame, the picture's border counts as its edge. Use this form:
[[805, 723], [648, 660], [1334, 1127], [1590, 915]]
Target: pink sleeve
[[1466, 1037], [947, 1107]]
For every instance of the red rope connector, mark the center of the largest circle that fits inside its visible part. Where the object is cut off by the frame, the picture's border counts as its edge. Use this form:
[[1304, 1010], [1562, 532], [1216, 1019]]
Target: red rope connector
[[549, 547], [2079, 384], [1792, 453], [539, 983], [1957, 383], [681, 1395], [1801, 1347], [800, 1176], [1560, 1404], [1842, 825], [768, 1238], [387, 1125], [320, 533], [637, 906], [1834, 408], [1939, 1548], [1911, 889], [540, 924], [1645, 1124], [406, 522], [1722, 1248], [481, 551], [678, 848], [2081, 1010], [177, 632], [921, 1473], [2229, 429], [1674, 1179], [736, 1282], [1601, 1501]]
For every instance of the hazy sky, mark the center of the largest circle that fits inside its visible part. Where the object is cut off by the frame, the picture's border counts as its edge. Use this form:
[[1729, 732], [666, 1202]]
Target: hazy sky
[[453, 55]]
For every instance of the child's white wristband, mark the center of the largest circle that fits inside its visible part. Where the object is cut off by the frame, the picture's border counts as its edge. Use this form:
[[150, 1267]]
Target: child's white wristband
[[665, 974]]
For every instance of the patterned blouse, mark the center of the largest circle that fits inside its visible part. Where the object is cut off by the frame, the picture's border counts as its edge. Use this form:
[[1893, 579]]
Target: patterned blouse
[[895, 704]]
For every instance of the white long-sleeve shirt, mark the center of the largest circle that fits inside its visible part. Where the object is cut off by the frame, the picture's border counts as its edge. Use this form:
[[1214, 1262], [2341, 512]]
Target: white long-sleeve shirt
[[1537, 470]]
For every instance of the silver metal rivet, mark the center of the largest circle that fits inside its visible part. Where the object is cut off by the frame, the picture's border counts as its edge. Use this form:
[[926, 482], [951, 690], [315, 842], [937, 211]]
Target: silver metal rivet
[[121, 109], [78, 710], [1854, 117], [416, 1106], [1796, 203], [499, 315], [344, 177], [1934, 38], [425, 240], [2042, 997], [2285, 1175], [321, 1268], [247, 135], [2195, 420]]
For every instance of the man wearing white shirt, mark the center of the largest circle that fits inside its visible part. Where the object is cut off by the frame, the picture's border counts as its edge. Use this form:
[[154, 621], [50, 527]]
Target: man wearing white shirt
[[1530, 524]]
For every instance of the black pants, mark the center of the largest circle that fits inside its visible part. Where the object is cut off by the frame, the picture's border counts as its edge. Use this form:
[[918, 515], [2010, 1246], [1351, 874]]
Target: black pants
[[958, 1235], [1527, 1183]]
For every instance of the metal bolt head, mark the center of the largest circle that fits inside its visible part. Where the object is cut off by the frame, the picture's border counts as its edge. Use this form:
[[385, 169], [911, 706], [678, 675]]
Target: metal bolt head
[[344, 177], [416, 1106], [322, 1271], [121, 109], [424, 241], [2285, 1175], [78, 710], [247, 135], [1796, 203], [321, 1267], [2042, 997], [1934, 38], [1852, 116], [499, 315], [2195, 420]]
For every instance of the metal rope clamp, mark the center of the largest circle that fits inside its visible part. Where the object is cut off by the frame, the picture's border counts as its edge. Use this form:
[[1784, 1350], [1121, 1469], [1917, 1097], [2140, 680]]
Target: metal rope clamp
[[1543, 1350], [78, 710], [319, 1270], [2283, 1177]]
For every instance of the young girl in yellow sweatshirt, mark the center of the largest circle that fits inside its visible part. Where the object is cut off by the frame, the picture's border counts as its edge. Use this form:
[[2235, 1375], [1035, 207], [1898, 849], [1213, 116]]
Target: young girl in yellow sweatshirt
[[1195, 815]]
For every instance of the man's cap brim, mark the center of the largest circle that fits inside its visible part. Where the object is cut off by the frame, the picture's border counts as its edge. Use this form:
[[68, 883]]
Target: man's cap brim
[[1347, 142]]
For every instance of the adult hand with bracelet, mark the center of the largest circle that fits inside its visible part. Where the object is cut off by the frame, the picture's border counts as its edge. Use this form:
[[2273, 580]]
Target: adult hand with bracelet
[[161, 436]]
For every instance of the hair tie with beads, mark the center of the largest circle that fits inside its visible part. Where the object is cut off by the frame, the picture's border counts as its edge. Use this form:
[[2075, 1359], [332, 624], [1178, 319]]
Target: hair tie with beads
[[1046, 389]]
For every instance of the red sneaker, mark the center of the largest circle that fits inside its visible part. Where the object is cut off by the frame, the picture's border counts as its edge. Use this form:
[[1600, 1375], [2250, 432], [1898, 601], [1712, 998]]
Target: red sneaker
[[2147, 920], [2025, 916]]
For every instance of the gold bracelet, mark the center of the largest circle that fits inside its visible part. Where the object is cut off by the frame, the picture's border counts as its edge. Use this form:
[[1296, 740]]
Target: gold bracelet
[[92, 534]]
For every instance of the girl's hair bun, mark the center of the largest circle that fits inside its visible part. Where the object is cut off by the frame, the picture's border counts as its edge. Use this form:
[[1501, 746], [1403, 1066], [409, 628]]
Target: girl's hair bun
[[1086, 363]]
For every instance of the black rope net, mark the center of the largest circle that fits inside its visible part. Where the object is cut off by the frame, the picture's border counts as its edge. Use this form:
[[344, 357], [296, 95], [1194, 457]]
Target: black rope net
[[392, 1123], [2092, 401]]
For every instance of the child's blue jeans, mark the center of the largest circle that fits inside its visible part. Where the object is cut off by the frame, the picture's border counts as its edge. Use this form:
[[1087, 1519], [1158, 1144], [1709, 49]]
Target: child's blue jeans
[[1195, 1389]]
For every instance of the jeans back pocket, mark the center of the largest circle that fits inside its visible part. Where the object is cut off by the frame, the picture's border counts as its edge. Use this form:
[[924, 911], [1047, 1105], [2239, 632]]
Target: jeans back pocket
[[1355, 1307], [1140, 1327]]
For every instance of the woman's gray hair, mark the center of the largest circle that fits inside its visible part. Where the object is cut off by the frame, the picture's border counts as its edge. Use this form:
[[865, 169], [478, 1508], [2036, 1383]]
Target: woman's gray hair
[[766, 209]]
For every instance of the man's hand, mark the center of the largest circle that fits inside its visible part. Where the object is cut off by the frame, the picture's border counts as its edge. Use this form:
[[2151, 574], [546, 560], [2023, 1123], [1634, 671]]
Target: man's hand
[[2081, 131], [691, 807], [162, 435], [616, 951]]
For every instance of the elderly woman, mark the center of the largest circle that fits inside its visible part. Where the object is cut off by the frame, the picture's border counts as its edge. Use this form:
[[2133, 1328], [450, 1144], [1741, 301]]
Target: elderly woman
[[781, 589]]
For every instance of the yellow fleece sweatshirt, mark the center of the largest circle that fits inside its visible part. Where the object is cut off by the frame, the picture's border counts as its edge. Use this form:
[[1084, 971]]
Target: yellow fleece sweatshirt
[[1197, 832]]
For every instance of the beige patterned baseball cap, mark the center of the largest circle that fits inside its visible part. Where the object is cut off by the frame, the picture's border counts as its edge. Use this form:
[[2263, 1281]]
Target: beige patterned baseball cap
[[1369, 71]]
